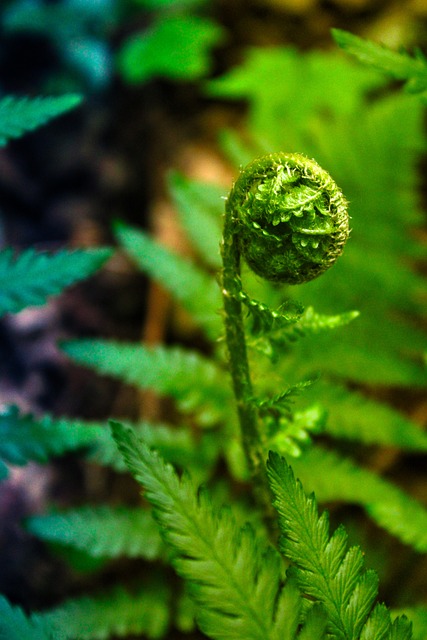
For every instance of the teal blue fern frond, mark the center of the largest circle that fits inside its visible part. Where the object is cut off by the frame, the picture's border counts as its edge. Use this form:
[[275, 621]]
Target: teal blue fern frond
[[20, 115], [195, 289], [400, 65], [24, 437], [101, 531], [237, 581], [196, 382], [334, 477], [16, 625], [115, 613], [31, 277], [325, 569]]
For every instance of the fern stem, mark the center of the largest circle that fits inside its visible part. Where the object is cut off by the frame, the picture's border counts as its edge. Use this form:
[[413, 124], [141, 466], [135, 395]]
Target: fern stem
[[236, 344]]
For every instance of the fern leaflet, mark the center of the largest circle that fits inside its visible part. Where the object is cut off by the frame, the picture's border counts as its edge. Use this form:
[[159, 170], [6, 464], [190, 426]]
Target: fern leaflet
[[200, 208], [117, 613], [333, 477], [30, 278], [19, 115], [24, 438], [101, 531], [325, 570], [15, 625], [400, 65], [236, 582], [352, 416], [418, 616], [195, 382], [195, 289]]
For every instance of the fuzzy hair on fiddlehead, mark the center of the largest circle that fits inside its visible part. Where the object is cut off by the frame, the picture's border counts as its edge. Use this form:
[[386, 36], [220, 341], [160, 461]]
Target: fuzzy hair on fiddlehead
[[291, 220]]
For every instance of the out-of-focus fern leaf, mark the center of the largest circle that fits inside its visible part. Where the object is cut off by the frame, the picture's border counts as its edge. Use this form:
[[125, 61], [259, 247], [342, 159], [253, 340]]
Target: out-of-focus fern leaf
[[175, 46], [196, 290], [194, 381], [24, 438], [176, 445], [15, 625], [30, 278], [117, 613], [352, 416], [237, 581], [200, 207], [266, 70], [333, 477], [101, 531], [399, 65], [418, 616], [19, 115], [325, 569]]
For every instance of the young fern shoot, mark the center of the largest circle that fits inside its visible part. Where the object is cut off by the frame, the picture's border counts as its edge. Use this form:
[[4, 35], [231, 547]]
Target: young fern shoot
[[288, 219]]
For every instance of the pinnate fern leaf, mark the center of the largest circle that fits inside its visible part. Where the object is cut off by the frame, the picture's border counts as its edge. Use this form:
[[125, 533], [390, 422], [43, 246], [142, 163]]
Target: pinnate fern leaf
[[15, 625], [195, 289], [195, 382], [24, 438], [19, 115], [101, 531], [325, 569], [354, 417], [200, 206], [30, 278], [399, 65], [334, 477], [236, 579], [117, 613]]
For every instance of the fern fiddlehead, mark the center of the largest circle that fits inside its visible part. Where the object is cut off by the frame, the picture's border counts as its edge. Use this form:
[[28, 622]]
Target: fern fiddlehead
[[288, 219]]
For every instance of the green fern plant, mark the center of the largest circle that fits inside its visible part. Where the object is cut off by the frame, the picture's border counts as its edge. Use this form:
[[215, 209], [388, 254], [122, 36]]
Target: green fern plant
[[235, 582]]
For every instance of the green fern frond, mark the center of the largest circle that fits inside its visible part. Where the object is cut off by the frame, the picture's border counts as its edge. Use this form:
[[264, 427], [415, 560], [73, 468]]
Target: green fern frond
[[200, 207], [195, 382], [19, 115], [281, 403], [24, 438], [313, 323], [101, 531], [399, 65], [264, 320], [117, 613], [16, 625], [236, 581], [195, 289], [334, 477], [325, 569], [352, 416], [176, 444], [31, 277]]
